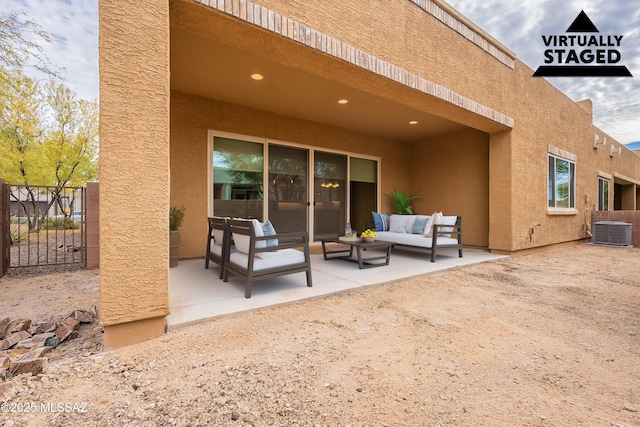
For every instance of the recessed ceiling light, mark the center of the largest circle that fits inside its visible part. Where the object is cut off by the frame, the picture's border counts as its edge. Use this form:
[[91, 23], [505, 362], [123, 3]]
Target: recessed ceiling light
[[413, 122], [343, 101], [257, 76]]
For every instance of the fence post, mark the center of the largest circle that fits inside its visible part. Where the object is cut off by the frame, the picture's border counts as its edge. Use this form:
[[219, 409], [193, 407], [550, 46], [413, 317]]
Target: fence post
[[4, 228], [92, 224]]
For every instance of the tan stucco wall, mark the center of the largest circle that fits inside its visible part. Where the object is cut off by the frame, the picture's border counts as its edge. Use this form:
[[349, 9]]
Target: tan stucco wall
[[193, 116], [401, 33], [134, 165], [450, 173]]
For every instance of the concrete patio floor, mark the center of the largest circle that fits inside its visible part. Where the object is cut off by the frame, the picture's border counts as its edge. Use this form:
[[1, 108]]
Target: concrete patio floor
[[196, 294]]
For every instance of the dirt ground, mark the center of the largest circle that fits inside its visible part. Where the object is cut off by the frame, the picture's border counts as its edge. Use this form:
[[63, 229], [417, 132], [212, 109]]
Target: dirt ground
[[550, 339]]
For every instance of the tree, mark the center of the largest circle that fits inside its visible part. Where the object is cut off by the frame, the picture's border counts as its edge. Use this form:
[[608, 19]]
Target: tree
[[47, 136], [21, 43]]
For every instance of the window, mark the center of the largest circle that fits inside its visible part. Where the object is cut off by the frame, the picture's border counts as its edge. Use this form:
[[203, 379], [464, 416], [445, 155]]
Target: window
[[603, 194], [562, 182], [237, 178]]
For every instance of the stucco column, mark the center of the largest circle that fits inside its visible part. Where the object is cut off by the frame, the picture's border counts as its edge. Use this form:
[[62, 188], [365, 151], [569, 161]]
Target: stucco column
[[500, 188], [134, 169]]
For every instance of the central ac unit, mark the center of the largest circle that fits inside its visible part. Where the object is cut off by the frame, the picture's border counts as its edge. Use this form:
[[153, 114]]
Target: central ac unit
[[613, 233]]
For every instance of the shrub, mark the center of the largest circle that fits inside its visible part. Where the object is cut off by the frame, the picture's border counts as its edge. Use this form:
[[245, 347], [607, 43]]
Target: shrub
[[60, 224]]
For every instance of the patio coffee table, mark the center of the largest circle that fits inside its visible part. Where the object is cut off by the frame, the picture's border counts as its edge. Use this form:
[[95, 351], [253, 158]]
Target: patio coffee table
[[360, 246]]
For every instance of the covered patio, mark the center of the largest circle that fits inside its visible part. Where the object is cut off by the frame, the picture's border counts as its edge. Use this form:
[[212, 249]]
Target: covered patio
[[197, 294]]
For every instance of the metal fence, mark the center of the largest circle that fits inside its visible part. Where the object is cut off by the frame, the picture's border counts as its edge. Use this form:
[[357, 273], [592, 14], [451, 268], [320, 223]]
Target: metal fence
[[46, 225]]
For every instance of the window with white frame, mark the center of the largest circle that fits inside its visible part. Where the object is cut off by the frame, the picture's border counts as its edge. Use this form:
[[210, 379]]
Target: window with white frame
[[562, 183], [603, 194]]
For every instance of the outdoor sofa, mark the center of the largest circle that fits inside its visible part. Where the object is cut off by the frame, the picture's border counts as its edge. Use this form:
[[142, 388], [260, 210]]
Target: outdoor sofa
[[430, 233]]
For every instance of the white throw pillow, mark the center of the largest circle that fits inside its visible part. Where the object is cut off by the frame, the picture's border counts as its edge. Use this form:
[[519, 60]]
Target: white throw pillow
[[436, 218], [242, 242], [398, 223]]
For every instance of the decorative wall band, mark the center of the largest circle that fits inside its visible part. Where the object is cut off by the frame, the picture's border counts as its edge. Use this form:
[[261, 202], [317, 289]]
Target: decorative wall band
[[287, 27], [445, 16], [559, 152]]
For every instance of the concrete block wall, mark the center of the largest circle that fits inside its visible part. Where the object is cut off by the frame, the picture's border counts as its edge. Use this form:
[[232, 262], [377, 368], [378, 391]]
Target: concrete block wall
[[92, 215], [4, 225]]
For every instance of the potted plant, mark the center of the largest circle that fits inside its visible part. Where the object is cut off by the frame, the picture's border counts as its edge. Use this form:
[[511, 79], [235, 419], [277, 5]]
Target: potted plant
[[176, 215], [401, 202]]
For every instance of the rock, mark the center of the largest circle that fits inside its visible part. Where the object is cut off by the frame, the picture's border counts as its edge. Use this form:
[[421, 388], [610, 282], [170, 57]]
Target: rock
[[67, 330], [18, 325], [52, 342], [82, 316], [35, 341], [33, 366], [629, 407], [13, 339], [46, 327], [34, 354], [6, 391], [4, 362], [4, 322]]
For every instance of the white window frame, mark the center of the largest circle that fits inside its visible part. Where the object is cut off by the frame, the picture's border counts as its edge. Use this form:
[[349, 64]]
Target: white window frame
[[604, 206], [556, 155]]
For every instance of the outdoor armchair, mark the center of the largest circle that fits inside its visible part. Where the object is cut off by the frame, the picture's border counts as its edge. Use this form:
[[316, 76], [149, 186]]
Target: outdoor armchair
[[260, 256]]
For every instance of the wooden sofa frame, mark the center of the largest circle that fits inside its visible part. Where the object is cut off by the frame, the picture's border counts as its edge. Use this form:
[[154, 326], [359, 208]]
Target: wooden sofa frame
[[452, 230]]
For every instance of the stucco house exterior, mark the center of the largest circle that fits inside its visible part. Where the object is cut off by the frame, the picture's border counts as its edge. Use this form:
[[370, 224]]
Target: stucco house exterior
[[307, 113]]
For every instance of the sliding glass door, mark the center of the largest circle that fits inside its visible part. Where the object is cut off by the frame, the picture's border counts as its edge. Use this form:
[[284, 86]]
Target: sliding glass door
[[329, 205], [288, 184], [341, 188]]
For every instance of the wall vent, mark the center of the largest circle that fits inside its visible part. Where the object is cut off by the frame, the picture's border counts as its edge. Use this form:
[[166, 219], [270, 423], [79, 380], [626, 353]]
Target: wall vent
[[613, 233]]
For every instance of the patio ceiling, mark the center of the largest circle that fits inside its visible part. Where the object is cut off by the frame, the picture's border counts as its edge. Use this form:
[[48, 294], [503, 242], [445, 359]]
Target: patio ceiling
[[202, 65]]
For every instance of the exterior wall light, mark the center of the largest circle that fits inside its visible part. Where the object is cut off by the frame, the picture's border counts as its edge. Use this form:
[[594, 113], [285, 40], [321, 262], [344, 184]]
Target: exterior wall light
[[596, 142]]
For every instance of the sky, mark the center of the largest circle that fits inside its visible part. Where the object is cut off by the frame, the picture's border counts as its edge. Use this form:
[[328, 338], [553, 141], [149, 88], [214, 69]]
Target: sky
[[519, 25]]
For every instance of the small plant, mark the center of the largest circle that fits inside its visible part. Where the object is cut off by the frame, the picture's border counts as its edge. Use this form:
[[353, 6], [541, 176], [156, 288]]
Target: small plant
[[401, 202], [16, 235], [176, 215]]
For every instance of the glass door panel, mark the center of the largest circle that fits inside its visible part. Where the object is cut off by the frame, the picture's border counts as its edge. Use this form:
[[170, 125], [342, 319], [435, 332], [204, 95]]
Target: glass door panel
[[288, 183], [329, 205], [238, 186], [364, 191]]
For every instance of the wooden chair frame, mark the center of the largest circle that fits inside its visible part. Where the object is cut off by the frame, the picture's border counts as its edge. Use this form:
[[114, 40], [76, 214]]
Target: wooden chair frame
[[285, 241], [217, 223]]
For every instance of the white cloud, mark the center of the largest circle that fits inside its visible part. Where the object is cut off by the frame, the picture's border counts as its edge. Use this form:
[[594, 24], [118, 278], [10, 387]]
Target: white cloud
[[73, 25], [520, 26]]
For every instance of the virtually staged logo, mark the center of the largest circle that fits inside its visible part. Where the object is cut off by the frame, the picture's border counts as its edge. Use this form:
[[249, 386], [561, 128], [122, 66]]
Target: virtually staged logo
[[582, 55]]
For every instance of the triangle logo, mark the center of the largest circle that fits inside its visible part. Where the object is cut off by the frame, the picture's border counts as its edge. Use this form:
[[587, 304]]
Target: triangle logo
[[582, 55], [582, 24]]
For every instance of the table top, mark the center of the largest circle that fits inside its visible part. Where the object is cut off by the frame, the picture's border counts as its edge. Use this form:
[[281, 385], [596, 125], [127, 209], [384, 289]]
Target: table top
[[355, 242]]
